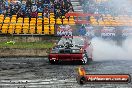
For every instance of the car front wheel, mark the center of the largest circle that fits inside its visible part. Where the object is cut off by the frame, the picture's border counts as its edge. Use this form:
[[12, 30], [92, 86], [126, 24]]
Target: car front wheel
[[84, 59]]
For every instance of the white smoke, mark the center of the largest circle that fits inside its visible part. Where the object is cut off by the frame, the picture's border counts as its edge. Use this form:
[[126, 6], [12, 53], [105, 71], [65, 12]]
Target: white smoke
[[109, 50]]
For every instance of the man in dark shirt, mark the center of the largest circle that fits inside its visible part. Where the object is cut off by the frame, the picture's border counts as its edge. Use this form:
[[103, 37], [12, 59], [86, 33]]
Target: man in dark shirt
[[28, 3], [8, 13], [17, 8], [28, 11]]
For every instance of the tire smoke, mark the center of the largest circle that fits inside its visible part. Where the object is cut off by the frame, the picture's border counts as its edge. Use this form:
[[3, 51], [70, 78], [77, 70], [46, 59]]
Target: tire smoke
[[109, 50]]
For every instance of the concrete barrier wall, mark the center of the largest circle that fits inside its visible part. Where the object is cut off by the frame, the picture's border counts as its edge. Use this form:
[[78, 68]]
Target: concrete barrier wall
[[16, 52], [7, 52], [28, 38]]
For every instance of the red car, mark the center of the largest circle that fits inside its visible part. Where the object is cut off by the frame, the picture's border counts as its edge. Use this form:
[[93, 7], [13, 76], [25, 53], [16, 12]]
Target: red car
[[75, 48]]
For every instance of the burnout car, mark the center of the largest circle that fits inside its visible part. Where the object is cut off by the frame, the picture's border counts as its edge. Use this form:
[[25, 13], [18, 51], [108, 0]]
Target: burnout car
[[75, 48]]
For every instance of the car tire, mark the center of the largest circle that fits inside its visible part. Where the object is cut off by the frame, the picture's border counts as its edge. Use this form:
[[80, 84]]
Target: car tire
[[84, 59]]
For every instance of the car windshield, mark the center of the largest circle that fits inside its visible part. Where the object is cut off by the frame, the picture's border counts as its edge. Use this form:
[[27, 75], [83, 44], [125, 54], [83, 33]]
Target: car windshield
[[78, 41], [63, 41], [75, 41]]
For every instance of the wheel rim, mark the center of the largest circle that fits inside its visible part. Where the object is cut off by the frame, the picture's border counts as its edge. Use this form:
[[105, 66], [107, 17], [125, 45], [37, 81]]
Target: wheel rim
[[85, 59]]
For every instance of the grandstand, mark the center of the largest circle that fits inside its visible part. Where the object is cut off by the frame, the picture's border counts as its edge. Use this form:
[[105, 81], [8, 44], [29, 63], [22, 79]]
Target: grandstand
[[38, 17], [41, 17]]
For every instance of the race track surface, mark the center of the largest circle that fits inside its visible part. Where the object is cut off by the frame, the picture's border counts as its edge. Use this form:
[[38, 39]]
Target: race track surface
[[38, 73]]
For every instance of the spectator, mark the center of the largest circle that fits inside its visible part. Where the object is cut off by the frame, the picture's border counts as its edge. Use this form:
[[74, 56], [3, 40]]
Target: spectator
[[17, 8], [6, 5], [27, 9], [82, 30], [28, 3], [34, 10], [8, 13], [23, 7]]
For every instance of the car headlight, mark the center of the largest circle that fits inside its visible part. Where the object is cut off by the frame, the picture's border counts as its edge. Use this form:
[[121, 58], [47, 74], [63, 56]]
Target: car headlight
[[76, 51]]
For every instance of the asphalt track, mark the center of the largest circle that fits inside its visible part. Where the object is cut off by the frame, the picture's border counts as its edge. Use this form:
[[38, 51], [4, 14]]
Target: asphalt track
[[38, 73]]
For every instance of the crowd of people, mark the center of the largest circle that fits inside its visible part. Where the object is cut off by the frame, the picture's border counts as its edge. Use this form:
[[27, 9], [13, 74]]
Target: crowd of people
[[113, 7], [30, 8]]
